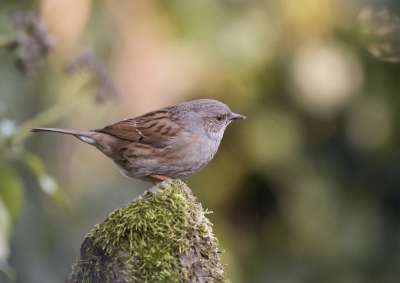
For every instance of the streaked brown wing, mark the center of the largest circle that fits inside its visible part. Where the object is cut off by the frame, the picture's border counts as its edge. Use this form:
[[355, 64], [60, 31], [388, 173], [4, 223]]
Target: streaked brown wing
[[124, 129], [158, 128]]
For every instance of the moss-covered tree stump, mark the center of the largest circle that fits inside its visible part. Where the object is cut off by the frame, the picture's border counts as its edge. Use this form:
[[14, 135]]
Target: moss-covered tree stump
[[161, 236]]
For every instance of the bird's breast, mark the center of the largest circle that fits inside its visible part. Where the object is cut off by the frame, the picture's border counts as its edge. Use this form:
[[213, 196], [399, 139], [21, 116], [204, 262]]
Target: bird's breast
[[183, 157], [193, 153]]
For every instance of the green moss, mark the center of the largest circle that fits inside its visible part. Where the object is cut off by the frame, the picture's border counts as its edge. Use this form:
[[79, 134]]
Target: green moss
[[162, 236]]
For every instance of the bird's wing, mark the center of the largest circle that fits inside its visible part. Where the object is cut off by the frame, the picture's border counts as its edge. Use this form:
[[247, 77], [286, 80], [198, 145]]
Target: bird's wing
[[158, 128]]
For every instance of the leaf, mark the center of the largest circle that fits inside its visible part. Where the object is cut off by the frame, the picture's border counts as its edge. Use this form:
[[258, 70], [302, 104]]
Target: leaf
[[5, 234], [47, 183], [33, 163], [11, 191], [5, 231]]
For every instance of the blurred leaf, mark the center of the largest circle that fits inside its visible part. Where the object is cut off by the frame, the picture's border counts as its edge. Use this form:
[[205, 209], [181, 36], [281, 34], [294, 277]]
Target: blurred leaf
[[33, 163], [10, 191], [5, 231], [47, 183], [61, 199]]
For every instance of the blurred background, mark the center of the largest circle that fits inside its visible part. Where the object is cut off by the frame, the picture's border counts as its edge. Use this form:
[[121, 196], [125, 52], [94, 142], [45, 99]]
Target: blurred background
[[306, 189]]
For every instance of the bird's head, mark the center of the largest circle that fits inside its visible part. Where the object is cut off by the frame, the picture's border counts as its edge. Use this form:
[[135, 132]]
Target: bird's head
[[208, 115]]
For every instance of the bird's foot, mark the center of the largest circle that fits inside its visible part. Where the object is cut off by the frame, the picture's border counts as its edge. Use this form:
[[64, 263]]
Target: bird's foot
[[159, 177]]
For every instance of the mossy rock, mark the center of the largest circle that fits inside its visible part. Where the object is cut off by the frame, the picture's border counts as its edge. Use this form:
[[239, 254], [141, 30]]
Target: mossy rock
[[162, 236]]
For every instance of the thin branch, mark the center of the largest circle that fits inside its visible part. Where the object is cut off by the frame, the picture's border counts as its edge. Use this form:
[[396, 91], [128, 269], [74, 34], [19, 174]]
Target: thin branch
[[72, 94]]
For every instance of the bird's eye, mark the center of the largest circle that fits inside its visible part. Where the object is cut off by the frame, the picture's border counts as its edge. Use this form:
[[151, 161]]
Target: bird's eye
[[219, 118]]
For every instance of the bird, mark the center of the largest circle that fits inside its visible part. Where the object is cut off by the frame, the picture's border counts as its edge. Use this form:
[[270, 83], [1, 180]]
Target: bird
[[174, 142]]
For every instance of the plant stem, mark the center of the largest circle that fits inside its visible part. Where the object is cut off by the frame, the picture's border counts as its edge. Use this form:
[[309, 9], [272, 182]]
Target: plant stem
[[72, 94]]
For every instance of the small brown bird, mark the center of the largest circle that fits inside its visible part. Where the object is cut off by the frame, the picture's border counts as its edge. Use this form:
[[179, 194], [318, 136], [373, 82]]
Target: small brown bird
[[170, 143]]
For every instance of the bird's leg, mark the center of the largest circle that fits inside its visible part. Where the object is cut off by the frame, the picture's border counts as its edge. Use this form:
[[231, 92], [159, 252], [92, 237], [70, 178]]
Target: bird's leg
[[159, 177]]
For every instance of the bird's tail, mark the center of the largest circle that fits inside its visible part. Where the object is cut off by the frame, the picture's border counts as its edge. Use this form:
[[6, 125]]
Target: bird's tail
[[85, 136]]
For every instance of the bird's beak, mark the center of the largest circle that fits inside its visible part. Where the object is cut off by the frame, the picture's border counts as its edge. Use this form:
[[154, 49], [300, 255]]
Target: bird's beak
[[237, 116]]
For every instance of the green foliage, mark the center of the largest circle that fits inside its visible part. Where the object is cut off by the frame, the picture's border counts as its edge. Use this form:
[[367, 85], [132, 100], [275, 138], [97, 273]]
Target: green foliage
[[5, 231], [48, 184], [11, 191], [11, 199]]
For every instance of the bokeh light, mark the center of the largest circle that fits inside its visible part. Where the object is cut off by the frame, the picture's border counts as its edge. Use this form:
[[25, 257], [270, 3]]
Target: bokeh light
[[325, 77]]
